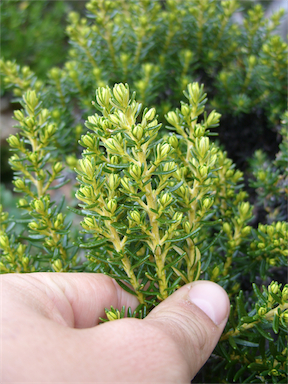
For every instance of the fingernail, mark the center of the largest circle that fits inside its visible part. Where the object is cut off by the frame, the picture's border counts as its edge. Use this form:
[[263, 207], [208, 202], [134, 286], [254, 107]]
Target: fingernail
[[211, 299]]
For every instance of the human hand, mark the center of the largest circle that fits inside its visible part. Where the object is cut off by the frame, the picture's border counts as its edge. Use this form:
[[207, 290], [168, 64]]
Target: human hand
[[50, 331]]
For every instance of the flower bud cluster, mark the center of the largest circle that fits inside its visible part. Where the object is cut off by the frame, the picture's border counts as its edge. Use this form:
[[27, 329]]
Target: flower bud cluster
[[271, 243]]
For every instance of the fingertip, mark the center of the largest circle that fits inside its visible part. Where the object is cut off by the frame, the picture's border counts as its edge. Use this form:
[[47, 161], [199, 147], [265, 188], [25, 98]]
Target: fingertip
[[212, 299]]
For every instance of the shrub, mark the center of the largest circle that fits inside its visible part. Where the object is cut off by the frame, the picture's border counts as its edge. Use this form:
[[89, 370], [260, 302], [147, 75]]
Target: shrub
[[161, 203]]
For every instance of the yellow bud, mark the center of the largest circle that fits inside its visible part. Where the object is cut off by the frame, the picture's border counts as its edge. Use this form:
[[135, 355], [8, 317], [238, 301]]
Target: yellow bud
[[244, 208], [138, 132], [252, 61], [278, 226], [4, 241], [39, 206], [165, 199], [19, 115], [87, 191], [172, 118], [57, 265], [33, 225], [103, 96], [173, 141], [113, 181], [112, 206], [169, 166], [56, 114], [22, 202], [285, 293], [114, 160], [71, 160], [213, 119], [284, 316], [88, 141], [215, 273], [113, 145], [126, 183], [19, 184], [14, 141], [50, 130], [89, 222], [202, 146], [199, 130], [57, 168], [185, 110], [21, 249], [162, 151], [121, 94], [187, 227], [25, 261], [262, 311], [135, 216], [135, 171], [112, 316], [246, 231], [177, 216], [227, 228], [87, 167], [207, 203], [273, 287], [149, 116]]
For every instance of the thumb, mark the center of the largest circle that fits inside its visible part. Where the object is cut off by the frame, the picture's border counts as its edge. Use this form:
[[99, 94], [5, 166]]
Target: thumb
[[193, 318]]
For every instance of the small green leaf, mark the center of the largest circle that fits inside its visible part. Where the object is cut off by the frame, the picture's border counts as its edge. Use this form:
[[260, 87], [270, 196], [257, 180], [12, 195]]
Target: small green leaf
[[182, 237], [275, 324], [93, 244], [263, 333], [239, 373], [232, 342], [257, 367], [246, 343], [178, 185]]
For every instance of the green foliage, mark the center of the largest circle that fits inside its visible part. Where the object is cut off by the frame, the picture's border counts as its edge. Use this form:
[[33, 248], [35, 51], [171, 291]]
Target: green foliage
[[30, 30], [271, 177], [161, 202]]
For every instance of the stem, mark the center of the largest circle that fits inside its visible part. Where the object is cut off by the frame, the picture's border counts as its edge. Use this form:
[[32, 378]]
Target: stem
[[119, 246], [269, 316], [155, 235]]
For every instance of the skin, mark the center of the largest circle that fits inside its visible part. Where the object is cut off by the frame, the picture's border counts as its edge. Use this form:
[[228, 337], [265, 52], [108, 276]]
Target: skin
[[50, 331]]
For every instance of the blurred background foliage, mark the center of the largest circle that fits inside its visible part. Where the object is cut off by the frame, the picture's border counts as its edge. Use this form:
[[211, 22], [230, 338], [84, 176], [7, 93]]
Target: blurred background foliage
[[33, 33]]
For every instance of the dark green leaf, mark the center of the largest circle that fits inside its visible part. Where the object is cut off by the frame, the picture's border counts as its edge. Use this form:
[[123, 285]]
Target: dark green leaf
[[232, 342], [93, 244], [165, 172], [238, 374], [140, 262], [246, 343], [258, 293], [257, 367], [275, 324], [240, 306], [263, 333], [174, 240], [175, 261], [124, 286], [178, 185]]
